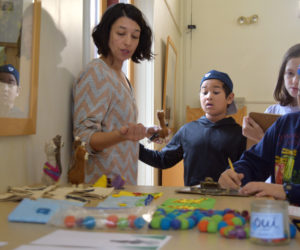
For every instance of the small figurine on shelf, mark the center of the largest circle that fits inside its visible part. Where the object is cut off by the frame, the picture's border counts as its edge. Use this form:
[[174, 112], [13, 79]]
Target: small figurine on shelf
[[76, 173], [52, 168]]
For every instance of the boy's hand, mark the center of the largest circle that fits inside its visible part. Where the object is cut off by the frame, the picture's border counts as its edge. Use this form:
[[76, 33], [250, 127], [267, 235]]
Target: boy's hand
[[261, 189], [252, 130], [154, 134], [230, 179]]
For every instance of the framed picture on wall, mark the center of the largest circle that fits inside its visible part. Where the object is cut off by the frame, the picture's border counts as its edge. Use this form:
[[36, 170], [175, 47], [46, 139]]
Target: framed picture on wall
[[18, 107]]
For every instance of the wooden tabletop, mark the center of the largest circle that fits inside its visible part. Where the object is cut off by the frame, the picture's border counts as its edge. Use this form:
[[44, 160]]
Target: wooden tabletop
[[17, 234]]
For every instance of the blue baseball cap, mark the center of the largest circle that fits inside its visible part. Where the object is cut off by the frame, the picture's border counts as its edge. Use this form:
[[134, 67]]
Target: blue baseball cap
[[9, 68], [223, 77]]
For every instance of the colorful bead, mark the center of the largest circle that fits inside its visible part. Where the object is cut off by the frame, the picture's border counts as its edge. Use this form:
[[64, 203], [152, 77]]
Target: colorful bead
[[111, 221], [131, 219], [70, 221], [122, 223], [139, 222], [89, 222]]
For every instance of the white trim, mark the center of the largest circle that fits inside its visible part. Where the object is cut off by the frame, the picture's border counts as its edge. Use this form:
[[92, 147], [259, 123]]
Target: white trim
[[144, 89], [91, 17]]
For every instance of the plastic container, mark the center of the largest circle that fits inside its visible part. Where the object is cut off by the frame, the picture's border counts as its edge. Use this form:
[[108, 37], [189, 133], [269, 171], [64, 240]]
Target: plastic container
[[269, 223]]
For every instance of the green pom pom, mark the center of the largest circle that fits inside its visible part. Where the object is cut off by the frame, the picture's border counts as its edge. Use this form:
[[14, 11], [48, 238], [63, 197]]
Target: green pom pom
[[184, 224], [206, 218], [217, 218], [212, 227], [247, 230], [155, 222], [122, 223], [237, 221]]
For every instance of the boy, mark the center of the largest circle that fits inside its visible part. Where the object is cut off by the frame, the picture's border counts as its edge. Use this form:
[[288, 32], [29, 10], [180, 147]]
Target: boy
[[9, 91], [277, 154], [205, 144]]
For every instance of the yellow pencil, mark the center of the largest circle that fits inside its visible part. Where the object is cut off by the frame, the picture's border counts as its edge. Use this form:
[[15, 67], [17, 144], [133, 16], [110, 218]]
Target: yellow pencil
[[230, 164]]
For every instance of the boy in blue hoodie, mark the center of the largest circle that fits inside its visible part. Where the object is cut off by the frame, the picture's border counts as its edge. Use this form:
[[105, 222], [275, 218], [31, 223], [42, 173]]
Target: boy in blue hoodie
[[205, 144], [277, 154]]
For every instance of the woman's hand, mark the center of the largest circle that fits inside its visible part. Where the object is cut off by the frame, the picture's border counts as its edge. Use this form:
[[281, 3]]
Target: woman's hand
[[252, 130], [230, 179], [133, 132], [261, 189]]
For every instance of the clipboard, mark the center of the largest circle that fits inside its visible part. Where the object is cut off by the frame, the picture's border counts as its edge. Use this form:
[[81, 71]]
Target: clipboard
[[209, 187], [264, 120], [208, 191]]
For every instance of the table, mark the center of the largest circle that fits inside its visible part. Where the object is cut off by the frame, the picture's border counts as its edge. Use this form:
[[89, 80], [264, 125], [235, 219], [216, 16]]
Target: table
[[17, 234]]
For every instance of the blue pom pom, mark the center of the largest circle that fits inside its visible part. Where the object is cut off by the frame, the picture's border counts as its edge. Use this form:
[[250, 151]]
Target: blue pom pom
[[175, 224], [89, 222], [165, 223], [139, 222], [293, 231], [191, 222], [222, 224]]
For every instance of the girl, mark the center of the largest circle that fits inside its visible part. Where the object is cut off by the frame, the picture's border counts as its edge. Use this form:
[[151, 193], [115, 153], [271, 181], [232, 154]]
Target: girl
[[285, 93]]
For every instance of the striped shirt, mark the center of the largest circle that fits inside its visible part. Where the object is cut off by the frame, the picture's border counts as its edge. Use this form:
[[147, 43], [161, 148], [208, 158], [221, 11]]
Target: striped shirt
[[103, 103]]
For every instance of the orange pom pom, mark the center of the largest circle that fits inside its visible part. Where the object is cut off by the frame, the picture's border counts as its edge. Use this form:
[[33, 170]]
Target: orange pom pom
[[70, 221], [228, 216], [229, 222], [202, 225]]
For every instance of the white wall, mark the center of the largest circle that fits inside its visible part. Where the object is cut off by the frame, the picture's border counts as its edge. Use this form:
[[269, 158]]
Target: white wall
[[22, 157], [251, 54], [167, 22]]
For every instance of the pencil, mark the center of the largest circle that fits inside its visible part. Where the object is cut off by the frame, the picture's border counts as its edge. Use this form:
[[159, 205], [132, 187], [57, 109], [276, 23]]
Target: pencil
[[230, 164]]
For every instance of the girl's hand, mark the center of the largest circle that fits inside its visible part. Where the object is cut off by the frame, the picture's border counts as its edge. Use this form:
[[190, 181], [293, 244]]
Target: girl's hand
[[261, 189], [230, 179], [252, 130]]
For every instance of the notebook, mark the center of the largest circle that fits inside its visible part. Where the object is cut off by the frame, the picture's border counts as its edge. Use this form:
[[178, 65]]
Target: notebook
[[38, 211], [264, 120]]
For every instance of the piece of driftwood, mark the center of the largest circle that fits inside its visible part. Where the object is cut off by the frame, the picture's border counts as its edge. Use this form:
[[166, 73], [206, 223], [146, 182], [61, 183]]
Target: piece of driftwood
[[76, 174]]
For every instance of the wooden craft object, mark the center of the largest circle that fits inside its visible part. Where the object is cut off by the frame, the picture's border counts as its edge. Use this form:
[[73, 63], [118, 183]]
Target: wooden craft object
[[52, 168], [76, 173], [164, 132]]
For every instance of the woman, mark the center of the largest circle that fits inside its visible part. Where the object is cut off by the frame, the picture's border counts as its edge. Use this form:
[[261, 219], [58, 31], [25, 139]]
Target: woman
[[285, 93], [105, 112]]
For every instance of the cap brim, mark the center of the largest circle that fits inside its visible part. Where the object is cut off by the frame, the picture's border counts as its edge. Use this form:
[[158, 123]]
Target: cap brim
[[232, 109]]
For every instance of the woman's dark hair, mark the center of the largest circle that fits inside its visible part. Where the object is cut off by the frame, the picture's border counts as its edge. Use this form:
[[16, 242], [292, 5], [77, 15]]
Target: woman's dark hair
[[102, 31], [280, 93]]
